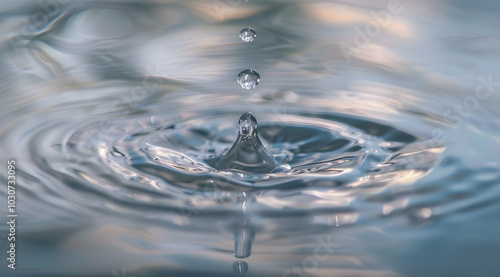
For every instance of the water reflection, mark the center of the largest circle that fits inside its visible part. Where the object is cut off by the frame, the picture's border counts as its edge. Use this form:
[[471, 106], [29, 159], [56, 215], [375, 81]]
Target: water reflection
[[243, 238], [240, 267], [111, 111]]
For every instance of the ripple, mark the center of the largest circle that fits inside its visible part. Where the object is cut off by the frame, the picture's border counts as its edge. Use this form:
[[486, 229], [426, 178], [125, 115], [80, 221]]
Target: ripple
[[120, 117], [169, 153]]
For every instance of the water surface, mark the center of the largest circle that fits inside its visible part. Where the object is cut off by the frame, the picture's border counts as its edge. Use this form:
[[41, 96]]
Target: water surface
[[378, 137]]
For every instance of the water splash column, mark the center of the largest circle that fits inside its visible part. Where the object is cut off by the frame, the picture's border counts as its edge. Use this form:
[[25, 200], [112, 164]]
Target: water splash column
[[247, 154]]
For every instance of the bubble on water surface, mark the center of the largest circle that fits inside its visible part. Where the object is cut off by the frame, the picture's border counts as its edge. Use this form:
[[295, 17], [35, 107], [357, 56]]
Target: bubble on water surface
[[248, 34], [248, 79]]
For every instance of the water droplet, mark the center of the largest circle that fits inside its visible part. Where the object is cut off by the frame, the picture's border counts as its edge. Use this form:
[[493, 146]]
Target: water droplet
[[248, 35], [248, 79]]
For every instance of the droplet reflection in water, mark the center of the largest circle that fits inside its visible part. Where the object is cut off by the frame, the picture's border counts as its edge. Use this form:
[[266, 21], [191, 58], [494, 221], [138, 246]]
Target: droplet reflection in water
[[243, 238], [248, 79], [240, 267], [248, 34], [247, 153]]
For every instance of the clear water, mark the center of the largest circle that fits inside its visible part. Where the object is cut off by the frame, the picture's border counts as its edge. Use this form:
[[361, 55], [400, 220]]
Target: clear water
[[376, 151]]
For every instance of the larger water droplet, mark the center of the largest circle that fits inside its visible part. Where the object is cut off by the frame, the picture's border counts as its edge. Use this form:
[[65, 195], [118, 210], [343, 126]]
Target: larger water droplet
[[248, 35], [247, 153], [248, 79]]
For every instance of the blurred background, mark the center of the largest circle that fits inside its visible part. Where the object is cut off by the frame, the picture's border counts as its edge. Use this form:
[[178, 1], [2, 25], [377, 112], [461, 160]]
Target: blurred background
[[382, 117]]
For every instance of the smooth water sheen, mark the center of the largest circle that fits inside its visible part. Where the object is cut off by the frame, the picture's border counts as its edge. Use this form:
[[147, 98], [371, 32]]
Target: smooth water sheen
[[369, 150]]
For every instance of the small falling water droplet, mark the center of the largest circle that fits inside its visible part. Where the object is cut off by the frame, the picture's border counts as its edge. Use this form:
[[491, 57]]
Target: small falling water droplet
[[248, 34], [248, 79]]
